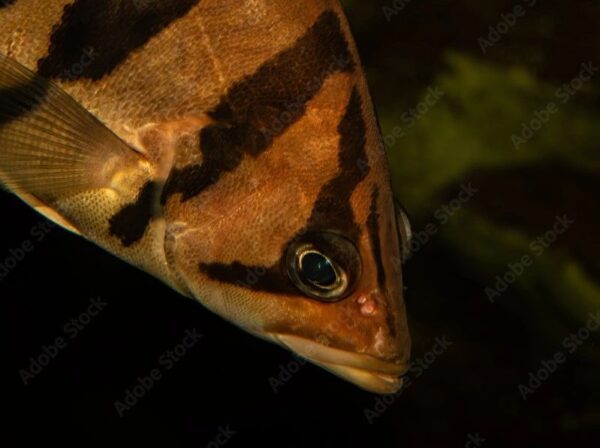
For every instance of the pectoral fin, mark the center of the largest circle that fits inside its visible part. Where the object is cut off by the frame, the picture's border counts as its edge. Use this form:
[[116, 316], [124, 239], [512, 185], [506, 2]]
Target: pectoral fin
[[53, 150]]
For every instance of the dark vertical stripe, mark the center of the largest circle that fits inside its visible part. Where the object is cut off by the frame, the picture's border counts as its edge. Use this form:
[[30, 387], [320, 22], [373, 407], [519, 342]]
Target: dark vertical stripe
[[111, 29], [374, 236], [373, 227], [20, 100], [5, 3], [263, 105], [132, 221], [332, 210], [256, 278]]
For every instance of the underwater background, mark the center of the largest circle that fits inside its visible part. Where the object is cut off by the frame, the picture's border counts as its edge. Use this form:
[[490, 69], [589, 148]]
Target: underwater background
[[490, 112]]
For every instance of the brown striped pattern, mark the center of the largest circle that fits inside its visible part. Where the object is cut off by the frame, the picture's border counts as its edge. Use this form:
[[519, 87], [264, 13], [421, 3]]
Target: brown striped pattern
[[111, 28], [332, 211], [373, 226], [246, 118], [333, 208]]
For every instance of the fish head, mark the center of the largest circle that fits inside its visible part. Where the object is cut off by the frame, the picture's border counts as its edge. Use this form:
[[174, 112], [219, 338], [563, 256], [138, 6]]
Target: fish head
[[302, 245], [276, 203]]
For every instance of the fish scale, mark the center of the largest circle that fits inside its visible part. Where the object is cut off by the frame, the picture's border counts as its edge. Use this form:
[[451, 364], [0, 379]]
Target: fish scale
[[215, 144]]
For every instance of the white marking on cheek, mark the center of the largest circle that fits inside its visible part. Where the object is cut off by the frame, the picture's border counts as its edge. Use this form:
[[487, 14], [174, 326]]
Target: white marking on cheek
[[368, 307], [379, 341]]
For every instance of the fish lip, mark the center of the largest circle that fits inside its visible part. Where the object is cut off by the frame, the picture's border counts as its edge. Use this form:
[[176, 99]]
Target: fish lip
[[363, 370]]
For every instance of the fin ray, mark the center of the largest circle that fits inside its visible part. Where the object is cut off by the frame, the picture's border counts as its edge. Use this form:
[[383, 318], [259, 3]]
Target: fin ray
[[50, 146]]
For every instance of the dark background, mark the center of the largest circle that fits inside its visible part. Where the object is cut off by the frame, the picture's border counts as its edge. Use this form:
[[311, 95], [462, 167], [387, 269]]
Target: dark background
[[472, 389]]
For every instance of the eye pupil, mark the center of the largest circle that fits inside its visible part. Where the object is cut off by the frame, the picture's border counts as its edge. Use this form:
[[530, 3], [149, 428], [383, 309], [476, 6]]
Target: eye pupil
[[317, 269]]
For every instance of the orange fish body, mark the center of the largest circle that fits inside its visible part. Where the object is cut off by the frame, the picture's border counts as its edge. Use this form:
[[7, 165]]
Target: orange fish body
[[230, 149]]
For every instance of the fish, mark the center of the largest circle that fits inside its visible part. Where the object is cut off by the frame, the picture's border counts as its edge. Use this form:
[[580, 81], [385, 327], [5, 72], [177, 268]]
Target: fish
[[229, 148]]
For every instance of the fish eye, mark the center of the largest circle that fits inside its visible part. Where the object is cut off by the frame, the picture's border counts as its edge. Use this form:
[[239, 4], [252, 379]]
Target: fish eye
[[324, 266], [404, 229], [317, 269]]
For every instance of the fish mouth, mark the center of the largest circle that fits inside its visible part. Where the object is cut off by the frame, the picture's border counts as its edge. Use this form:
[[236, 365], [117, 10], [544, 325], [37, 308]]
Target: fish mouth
[[365, 371]]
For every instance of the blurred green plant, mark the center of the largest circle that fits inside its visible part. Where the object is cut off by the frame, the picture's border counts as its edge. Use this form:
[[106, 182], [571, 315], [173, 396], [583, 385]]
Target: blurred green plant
[[495, 119], [472, 127]]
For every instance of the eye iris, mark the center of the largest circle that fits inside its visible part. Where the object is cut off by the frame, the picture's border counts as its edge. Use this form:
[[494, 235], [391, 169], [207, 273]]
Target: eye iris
[[317, 269]]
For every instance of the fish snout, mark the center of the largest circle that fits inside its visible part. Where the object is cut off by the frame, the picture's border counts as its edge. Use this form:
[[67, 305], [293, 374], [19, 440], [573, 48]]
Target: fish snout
[[366, 371], [364, 340]]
